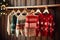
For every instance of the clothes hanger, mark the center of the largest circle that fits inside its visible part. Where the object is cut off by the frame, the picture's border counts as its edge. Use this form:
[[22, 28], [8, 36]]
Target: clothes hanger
[[8, 27], [32, 12], [38, 11], [12, 12], [46, 10], [24, 12], [18, 12]]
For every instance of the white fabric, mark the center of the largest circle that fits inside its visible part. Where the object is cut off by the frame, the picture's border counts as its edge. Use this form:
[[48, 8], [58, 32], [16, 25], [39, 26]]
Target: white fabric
[[17, 32], [8, 22], [8, 26]]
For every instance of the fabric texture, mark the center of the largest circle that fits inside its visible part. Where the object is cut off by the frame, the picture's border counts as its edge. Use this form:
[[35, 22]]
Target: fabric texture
[[13, 24], [9, 19], [32, 22], [21, 19], [46, 22]]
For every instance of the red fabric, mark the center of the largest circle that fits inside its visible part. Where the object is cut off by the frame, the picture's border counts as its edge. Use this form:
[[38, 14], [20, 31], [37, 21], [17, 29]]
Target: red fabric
[[45, 22], [51, 24], [32, 22]]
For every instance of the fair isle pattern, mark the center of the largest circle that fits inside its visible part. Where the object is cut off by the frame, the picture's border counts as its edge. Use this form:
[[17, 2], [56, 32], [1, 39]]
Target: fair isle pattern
[[46, 23], [32, 23]]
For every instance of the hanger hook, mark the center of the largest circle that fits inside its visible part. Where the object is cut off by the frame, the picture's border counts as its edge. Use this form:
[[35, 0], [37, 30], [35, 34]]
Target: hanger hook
[[25, 7], [46, 7], [24, 10], [32, 11]]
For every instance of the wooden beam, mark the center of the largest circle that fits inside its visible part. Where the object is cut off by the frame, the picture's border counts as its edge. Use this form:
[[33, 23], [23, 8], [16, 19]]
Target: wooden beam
[[40, 6]]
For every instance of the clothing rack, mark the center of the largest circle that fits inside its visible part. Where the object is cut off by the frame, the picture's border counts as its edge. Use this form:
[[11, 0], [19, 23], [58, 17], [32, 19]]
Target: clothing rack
[[40, 6]]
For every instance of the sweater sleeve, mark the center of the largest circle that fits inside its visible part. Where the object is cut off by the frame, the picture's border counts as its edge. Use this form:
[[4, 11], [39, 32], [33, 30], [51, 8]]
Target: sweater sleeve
[[8, 26], [13, 24]]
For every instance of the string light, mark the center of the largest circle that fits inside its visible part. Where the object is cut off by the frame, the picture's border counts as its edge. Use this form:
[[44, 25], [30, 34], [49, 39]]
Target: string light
[[1, 13], [4, 13]]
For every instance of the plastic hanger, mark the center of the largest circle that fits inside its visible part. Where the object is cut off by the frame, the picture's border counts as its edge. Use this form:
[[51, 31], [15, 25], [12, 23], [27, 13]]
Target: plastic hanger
[[18, 12], [12, 12], [24, 12], [46, 10], [38, 11], [32, 12]]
